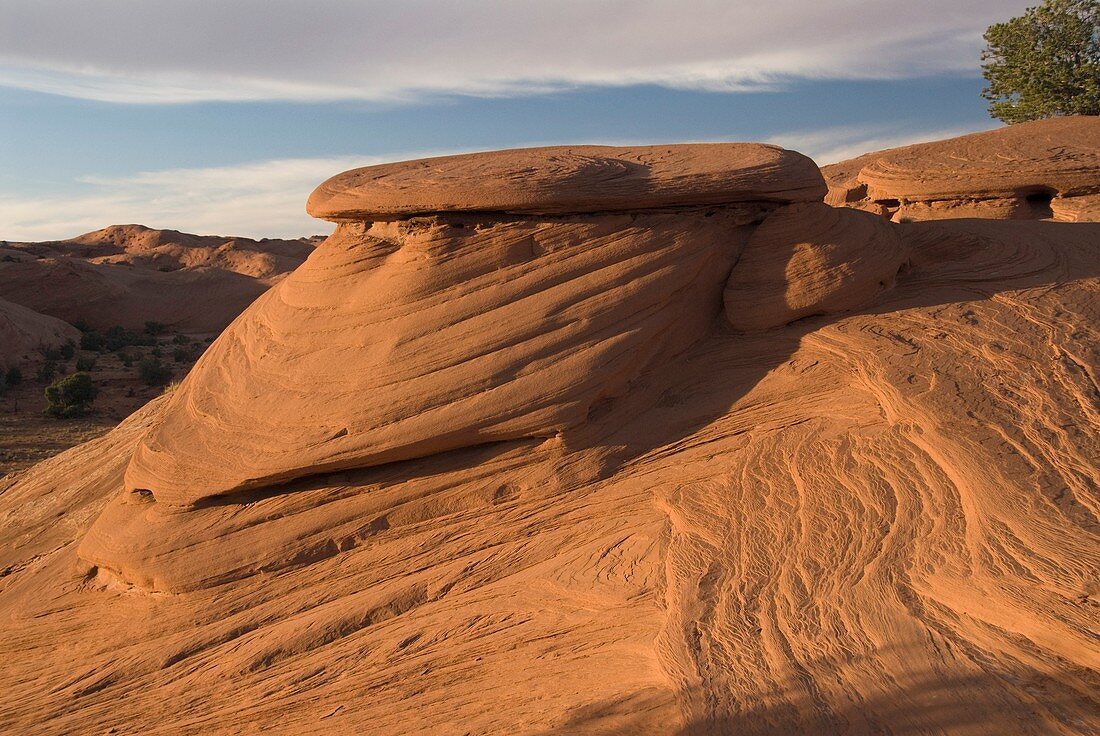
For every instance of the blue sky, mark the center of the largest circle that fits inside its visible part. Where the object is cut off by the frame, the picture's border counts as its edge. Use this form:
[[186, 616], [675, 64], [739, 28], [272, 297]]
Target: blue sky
[[228, 131]]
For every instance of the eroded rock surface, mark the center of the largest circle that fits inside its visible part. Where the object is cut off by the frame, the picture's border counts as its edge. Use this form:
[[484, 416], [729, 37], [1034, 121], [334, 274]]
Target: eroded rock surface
[[582, 473], [1046, 169], [402, 340], [570, 180], [808, 259]]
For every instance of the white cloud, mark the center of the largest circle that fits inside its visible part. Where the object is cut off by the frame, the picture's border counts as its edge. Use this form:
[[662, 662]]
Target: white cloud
[[263, 199], [830, 145], [267, 198], [170, 51]]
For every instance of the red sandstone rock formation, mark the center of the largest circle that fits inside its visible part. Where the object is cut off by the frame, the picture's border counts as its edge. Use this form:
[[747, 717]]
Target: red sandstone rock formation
[[724, 461]]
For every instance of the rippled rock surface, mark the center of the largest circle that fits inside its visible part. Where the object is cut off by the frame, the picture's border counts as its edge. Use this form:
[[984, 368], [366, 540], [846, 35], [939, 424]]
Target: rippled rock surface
[[725, 461]]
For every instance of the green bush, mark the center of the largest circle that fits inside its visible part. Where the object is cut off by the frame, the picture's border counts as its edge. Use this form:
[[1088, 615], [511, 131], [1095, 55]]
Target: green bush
[[1045, 62], [181, 354], [154, 328], [66, 351], [46, 371], [13, 377], [70, 396], [85, 363], [153, 371], [92, 340]]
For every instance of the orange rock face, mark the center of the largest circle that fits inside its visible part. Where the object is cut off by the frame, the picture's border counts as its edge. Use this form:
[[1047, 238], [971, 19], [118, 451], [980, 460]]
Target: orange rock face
[[755, 465], [570, 180], [1045, 169]]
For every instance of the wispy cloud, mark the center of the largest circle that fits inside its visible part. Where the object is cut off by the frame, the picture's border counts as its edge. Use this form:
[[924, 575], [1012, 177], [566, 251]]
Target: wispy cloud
[[267, 198], [263, 199], [159, 51], [830, 145]]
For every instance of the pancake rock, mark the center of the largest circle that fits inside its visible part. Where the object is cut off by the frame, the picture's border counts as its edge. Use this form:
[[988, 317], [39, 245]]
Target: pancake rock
[[406, 339], [570, 180], [1045, 169], [809, 259]]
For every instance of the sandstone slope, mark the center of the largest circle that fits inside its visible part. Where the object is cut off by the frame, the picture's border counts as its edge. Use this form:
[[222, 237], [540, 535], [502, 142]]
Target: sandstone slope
[[23, 332], [749, 466]]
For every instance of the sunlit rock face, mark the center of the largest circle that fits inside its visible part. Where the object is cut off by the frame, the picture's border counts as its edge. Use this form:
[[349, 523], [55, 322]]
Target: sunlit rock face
[[540, 283], [1046, 169], [689, 466], [808, 259]]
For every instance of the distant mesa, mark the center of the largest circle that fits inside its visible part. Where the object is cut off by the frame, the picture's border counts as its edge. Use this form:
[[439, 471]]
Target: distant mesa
[[129, 274], [1046, 169]]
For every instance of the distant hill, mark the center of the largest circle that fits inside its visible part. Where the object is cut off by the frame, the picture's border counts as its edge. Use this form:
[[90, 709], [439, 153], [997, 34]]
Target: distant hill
[[129, 274]]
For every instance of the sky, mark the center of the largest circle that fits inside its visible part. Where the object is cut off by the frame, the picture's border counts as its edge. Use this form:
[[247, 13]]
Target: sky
[[220, 117]]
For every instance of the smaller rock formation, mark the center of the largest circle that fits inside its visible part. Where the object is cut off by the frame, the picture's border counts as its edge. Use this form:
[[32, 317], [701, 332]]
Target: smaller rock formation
[[808, 259], [1046, 169], [22, 331]]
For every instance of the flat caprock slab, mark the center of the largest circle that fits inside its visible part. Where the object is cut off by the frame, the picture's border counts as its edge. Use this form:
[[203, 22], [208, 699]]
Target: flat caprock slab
[[571, 180]]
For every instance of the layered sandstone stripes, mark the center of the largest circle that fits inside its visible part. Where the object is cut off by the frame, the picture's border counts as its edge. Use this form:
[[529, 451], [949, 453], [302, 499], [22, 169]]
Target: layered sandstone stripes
[[759, 513]]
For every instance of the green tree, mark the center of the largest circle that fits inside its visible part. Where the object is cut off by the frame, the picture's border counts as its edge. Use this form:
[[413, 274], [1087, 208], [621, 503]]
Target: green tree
[[70, 396], [1045, 62]]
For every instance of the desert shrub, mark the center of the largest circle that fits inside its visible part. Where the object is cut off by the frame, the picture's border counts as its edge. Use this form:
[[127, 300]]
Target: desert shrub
[[153, 371], [154, 328], [1045, 62], [180, 339], [70, 396], [46, 371], [82, 326], [67, 351], [126, 358], [92, 340], [13, 376], [85, 363], [117, 337], [181, 354], [50, 352]]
